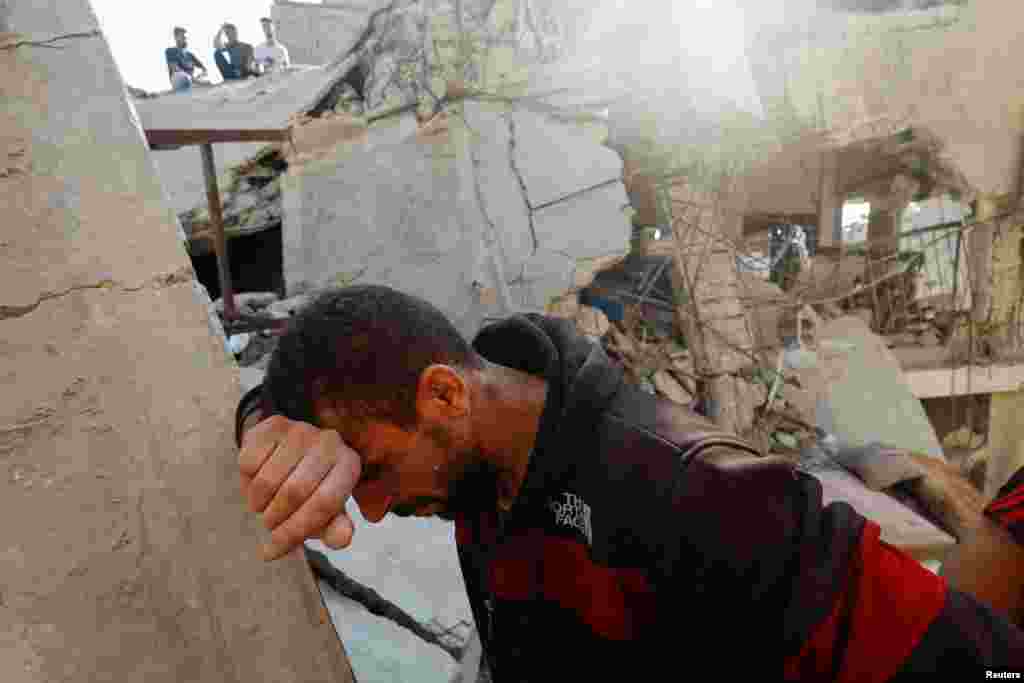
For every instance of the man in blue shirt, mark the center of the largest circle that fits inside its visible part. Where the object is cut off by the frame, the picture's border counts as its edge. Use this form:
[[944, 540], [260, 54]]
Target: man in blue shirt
[[234, 58], [181, 63]]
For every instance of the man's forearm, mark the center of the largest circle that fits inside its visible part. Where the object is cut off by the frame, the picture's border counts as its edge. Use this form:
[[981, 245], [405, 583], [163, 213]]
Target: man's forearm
[[988, 565]]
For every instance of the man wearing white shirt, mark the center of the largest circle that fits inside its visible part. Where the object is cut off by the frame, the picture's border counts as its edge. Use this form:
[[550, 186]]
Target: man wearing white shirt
[[271, 55]]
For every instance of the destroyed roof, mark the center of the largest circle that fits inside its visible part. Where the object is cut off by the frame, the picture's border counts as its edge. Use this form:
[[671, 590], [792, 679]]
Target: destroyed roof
[[268, 102], [256, 103]]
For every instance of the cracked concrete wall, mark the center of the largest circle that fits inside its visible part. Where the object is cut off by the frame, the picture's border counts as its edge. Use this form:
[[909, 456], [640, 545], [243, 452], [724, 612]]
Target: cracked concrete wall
[[132, 557], [394, 213], [314, 32], [506, 199]]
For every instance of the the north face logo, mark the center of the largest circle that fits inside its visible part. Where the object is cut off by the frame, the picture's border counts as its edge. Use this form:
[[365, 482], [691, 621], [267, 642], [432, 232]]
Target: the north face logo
[[571, 511]]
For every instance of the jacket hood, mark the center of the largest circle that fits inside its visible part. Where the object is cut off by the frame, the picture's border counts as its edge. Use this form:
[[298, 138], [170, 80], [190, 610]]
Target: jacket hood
[[581, 381]]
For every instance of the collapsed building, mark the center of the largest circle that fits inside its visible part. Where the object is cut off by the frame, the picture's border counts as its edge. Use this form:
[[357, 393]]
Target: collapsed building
[[488, 156]]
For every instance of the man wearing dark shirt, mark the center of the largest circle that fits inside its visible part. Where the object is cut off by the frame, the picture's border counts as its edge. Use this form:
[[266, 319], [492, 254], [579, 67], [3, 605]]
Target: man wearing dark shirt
[[234, 58], [181, 60], [603, 534]]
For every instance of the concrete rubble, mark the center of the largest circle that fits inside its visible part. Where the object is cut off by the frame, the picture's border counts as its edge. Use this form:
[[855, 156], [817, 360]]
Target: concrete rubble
[[503, 203], [495, 207], [488, 187]]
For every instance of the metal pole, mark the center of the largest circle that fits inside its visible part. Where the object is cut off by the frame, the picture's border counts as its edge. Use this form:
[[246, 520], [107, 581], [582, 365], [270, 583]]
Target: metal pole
[[220, 242]]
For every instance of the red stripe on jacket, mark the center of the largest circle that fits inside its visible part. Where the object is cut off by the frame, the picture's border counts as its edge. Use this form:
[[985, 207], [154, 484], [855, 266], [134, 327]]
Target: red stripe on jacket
[[1011, 500], [616, 604], [888, 603]]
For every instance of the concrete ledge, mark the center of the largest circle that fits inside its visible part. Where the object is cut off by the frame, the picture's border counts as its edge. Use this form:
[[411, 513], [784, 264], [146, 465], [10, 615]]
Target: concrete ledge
[[992, 379]]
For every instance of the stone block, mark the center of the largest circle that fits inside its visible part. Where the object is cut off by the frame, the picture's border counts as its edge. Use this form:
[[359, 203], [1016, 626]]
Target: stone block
[[381, 651], [412, 562], [594, 223], [546, 276], [500, 191], [557, 160], [868, 397]]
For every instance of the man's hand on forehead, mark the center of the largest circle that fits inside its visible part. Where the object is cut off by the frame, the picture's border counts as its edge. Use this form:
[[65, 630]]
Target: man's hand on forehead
[[299, 478]]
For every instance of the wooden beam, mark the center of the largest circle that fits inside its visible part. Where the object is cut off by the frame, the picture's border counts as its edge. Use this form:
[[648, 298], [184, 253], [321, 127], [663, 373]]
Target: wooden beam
[[830, 203], [940, 382], [220, 243], [171, 138]]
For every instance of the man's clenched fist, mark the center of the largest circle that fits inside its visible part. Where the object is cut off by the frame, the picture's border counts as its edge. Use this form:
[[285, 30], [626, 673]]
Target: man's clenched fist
[[299, 477]]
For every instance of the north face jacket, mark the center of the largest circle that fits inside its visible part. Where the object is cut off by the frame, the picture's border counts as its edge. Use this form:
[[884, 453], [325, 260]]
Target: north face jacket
[[645, 544]]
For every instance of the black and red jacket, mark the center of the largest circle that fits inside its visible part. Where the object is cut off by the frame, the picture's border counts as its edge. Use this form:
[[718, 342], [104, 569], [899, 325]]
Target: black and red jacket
[[644, 544], [1007, 508]]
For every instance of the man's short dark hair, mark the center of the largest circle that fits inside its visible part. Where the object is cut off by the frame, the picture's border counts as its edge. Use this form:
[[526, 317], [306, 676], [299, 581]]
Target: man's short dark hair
[[179, 29], [230, 26], [365, 346], [266, 20]]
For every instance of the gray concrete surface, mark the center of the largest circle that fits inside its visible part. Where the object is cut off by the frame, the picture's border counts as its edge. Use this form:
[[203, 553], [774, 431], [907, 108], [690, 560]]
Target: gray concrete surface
[[381, 651], [266, 102], [406, 214], [413, 563], [585, 225], [315, 33], [557, 160], [867, 397], [133, 557], [391, 213]]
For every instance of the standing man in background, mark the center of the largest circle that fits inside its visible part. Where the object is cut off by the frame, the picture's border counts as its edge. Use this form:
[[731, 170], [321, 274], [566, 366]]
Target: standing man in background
[[181, 63], [234, 58], [271, 55]]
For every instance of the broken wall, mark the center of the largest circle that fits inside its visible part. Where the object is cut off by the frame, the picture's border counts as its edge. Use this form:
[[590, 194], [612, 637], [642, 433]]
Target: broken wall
[[483, 220], [952, 69], [128, 553], [487, 217], [313, 32]]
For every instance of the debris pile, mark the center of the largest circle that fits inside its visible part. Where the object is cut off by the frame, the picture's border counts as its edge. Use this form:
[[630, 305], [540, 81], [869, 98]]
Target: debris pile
[[886, 295], [251, 200], [661, 363]]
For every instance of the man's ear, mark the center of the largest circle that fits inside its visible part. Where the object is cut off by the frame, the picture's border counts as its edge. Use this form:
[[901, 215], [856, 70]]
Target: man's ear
[[442, 393]]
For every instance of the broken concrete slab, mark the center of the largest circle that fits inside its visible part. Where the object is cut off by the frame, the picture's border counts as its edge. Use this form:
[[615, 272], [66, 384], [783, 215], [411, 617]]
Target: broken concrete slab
[[594, 223], [501, 195], [395, 214], [180, 171], [546, 276], [380, 650], [438, 215], [557, 160], [411, 562], [316, 34], [267, 102], [868, 397]]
